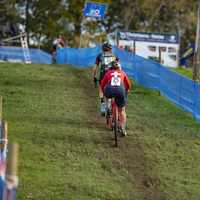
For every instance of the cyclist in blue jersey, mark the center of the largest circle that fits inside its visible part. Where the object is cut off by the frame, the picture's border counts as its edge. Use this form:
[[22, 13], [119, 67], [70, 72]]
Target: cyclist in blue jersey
[[105, 58]]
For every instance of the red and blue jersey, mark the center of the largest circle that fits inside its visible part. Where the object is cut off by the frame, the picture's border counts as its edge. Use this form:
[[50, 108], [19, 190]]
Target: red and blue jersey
[[116, 78]]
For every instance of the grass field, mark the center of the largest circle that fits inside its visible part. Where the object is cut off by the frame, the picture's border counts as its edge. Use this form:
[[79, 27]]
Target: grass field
[[66, 150]]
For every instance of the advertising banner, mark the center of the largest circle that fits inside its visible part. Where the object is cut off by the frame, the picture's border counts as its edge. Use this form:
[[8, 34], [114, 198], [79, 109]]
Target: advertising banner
[[149, 44]]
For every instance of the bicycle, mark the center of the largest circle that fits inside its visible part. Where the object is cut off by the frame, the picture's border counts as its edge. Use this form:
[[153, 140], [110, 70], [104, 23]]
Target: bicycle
[[114, 117], [115, 120]]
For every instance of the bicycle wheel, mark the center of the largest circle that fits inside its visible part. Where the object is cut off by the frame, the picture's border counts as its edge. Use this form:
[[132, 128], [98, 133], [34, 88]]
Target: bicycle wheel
[[115, 122], [108, 120], [112, 123], [111, 119]]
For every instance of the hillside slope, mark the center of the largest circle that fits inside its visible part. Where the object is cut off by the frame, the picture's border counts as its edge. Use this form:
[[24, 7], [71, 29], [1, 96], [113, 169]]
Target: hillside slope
[[67, 150]]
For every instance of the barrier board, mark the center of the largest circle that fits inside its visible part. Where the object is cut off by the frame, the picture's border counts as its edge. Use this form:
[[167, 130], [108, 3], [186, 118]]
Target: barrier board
[[149, 44]]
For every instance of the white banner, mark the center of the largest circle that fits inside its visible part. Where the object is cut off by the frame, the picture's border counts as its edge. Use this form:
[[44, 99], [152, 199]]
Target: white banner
[[148, 45]]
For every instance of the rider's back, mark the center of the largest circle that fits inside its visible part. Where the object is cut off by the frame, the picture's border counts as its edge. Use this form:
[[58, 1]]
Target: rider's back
[[117, 75]]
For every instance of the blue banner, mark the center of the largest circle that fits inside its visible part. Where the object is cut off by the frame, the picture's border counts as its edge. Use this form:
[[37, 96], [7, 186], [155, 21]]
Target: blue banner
[[95, 10], [148, 37], [16, 54]]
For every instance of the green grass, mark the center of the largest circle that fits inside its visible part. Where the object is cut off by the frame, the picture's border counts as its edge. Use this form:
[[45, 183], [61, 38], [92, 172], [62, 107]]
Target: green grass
[[66, 150], [187, 72]]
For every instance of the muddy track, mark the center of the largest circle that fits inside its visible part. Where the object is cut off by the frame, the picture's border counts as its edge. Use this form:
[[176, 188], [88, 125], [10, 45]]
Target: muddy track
[[134, 157]]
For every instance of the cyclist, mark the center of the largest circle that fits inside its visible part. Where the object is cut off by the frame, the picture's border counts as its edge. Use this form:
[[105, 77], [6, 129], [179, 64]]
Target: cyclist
[[57, 45], [113, 84], [105, 58]]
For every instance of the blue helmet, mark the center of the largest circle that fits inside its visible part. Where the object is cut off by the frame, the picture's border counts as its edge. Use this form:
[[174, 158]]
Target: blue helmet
[[106, 45]]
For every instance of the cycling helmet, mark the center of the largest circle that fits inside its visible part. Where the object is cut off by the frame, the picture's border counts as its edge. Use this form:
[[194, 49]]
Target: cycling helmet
[[113, 65], [106, 45]]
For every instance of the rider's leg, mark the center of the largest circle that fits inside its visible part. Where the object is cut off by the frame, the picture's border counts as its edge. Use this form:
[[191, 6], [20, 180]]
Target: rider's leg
[[100, 93], [54, 53], [122, 114], [102, 102], [107, 102]]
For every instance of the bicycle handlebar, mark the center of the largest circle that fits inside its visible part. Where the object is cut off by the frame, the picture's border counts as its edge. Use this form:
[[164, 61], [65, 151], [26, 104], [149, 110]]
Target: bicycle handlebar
[[96, 82]]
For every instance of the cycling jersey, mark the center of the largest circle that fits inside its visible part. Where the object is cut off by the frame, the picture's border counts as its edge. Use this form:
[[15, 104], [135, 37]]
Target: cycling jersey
[[56, 42], [116, 77], [113, 84], [105, 58]]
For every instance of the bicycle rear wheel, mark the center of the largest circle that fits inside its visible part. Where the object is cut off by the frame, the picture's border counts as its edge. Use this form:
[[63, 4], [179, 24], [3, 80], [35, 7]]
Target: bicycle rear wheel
[[115, 123]]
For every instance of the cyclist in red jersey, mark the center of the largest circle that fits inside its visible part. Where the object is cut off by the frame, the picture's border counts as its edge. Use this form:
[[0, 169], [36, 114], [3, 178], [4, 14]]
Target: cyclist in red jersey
[[57, 42], [113, 84], [104, 58], [56, 45]]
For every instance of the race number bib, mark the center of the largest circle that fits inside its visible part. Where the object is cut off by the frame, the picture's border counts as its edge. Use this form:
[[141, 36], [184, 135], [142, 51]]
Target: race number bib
[[115, 81], [107, 60]]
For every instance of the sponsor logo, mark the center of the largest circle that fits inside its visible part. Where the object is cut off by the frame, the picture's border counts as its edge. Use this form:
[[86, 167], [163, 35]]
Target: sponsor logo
[[95, 9], [172, 38], [122, 35], [132, 35]]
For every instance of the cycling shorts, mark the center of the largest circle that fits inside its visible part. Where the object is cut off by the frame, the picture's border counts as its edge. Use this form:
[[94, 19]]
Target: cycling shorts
[[54, 47], [102, 73], [110, 91]]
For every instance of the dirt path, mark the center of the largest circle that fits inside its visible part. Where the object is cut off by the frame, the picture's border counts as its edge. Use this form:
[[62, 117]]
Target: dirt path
[[133, 156]]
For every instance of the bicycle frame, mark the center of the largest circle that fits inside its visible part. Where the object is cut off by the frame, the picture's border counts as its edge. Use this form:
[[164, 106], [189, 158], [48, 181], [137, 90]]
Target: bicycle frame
[[115, 117], [113, 107]]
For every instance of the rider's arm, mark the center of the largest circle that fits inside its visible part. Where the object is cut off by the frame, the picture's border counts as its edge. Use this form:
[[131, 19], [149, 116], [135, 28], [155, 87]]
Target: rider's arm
[[127, 82], [95, 69], [96, 64], [62, 43], [117, 59]]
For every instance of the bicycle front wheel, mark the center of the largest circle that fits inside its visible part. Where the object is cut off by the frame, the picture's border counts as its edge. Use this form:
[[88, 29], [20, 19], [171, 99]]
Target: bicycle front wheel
[[115, 123]]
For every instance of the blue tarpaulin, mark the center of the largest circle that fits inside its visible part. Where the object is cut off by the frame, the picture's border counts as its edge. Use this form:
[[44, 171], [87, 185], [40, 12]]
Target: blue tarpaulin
[[180, 90], [16, 54]]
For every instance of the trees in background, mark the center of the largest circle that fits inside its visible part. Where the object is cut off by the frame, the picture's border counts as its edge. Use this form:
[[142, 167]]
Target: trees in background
[[8, 14], [43, 20]]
